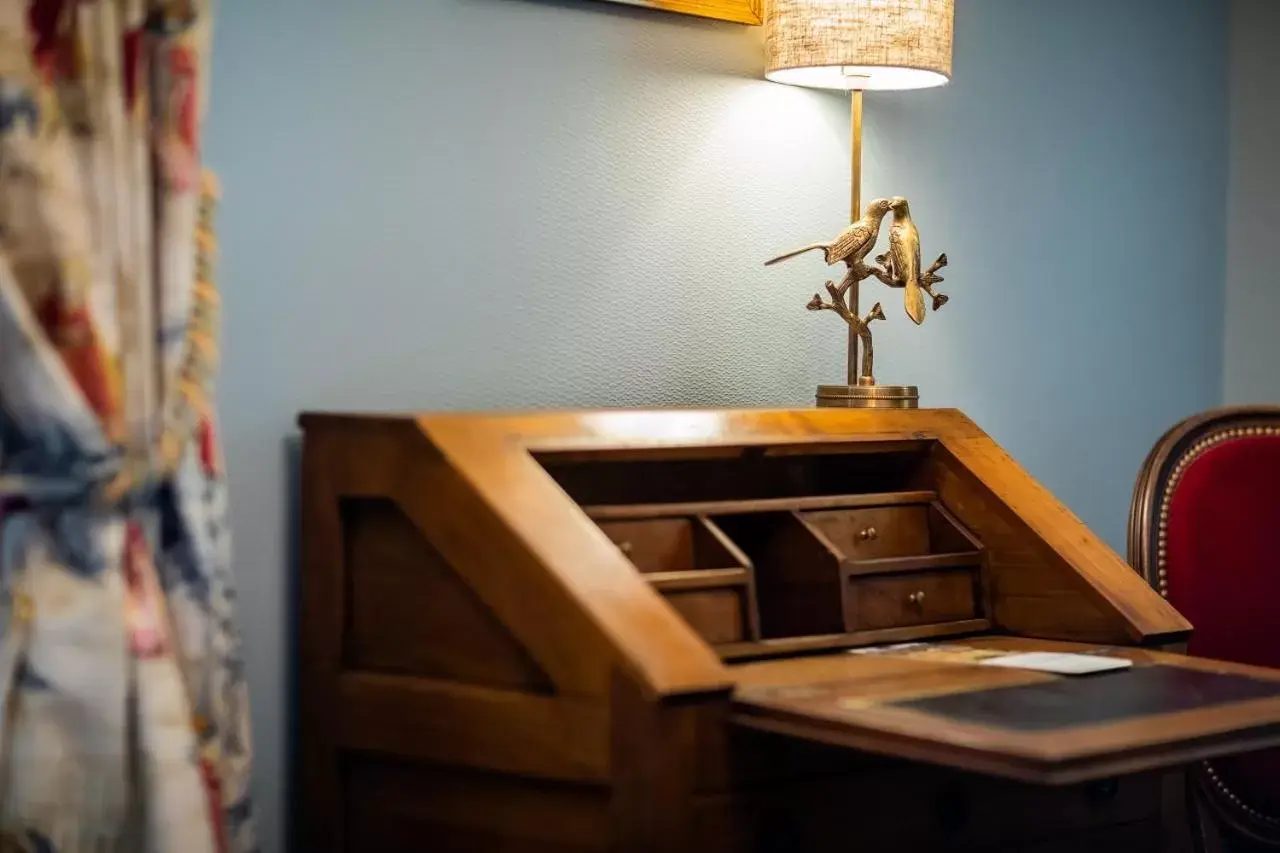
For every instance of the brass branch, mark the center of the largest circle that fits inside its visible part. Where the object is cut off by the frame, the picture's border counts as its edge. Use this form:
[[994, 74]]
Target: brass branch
[[861, 325]]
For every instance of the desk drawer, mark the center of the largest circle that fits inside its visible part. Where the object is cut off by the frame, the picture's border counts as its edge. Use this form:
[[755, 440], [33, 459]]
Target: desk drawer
[[901, 600], [874, 532]]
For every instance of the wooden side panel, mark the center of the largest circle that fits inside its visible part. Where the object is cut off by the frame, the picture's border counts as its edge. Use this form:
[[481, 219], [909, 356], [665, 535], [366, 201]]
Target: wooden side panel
[[547, 570], [536, 561], [409, 612], [401, 807], [1117, 603], [448, 723], [1033, 592], [380, 593]]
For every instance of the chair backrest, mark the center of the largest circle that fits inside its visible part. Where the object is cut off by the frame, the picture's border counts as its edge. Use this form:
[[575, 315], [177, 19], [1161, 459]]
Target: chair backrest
[[1204, 529]]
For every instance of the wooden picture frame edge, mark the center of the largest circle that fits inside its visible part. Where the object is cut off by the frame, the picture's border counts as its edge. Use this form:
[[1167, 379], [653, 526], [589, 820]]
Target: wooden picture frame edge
[[750, 12]]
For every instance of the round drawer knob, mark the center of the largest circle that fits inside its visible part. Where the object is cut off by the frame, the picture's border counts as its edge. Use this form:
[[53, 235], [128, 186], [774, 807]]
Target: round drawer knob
[[624, 547], [868, 533], [916, 597]]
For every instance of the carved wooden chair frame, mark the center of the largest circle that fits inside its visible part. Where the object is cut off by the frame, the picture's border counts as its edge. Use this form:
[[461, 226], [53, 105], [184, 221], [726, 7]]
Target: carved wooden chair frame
[[1163, 468]]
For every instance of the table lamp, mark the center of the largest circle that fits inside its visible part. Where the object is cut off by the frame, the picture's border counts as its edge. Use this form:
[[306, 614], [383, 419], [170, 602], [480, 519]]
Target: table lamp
[[855, 45]]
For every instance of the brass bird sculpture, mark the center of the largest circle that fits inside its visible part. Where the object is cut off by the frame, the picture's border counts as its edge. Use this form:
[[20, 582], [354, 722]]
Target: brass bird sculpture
[[902, 264], [853, 243], [903, 260]]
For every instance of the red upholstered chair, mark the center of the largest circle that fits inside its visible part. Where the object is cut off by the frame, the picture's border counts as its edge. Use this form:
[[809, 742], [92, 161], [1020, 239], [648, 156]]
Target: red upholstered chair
[[1204, 530]]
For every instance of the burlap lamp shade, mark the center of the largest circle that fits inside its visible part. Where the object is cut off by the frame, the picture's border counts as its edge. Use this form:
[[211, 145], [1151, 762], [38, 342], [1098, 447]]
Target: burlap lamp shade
[[859, 44]]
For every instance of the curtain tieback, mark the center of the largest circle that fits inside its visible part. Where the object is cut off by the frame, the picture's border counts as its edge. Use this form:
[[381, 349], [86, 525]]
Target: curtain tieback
[[139, 472], [112, 486]]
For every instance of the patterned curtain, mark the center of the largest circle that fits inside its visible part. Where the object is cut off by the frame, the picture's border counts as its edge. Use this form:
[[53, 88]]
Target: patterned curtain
[[123, 712]]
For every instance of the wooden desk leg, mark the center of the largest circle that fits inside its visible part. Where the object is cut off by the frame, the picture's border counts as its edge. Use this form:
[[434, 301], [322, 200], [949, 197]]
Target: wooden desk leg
[[653, 750], [1188, 824], [1176, 825], [1206, 830]]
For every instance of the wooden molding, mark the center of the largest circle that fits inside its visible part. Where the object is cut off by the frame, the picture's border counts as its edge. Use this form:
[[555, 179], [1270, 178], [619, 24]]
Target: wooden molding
[[738, 11], [505, 730]]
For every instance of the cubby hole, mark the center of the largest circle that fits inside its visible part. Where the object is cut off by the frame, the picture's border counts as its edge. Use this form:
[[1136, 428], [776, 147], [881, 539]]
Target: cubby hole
[[751, 473], [670, 544], [702, 574], [797, 575]]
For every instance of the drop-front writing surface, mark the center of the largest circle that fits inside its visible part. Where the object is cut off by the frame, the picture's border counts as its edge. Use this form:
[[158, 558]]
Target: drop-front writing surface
[[669, 630]]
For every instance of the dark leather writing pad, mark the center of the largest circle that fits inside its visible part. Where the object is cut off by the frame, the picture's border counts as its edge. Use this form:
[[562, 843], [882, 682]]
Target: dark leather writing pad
[[1096, 699]]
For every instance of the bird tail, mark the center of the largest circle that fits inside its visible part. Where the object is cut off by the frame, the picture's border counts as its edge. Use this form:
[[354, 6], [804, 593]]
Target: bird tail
[[792, 254], [915, 302]]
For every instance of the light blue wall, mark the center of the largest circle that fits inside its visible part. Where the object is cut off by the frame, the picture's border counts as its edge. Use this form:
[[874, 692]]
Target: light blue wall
[[1252, 347], [497, 203], [1075, 172]]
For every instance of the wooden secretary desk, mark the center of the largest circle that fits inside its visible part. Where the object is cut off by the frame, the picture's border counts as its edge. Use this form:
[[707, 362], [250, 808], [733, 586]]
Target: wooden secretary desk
[[728, 631]]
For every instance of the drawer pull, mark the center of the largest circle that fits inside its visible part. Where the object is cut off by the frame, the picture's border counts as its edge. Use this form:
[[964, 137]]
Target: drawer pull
[[899, 600], [867, 533], [624, 547]]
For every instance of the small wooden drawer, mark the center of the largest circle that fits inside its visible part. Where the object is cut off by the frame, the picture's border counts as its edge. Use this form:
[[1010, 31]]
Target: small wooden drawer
[[718, 615], [903, 600], [676, 544], [875, 532]]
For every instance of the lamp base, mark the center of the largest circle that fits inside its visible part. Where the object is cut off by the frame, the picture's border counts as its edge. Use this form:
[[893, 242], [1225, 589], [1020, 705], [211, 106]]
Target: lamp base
[[868, 397]]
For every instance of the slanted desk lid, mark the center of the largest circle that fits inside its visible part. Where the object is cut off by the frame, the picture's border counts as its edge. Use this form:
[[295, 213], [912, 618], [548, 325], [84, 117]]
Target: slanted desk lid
[[938, 704]]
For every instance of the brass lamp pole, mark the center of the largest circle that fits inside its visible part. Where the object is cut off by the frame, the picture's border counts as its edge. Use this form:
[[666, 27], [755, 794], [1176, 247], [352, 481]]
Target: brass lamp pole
[[855, 212]]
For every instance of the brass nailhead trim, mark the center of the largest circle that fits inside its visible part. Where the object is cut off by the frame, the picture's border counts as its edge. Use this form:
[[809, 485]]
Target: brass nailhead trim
[[1197, 450]]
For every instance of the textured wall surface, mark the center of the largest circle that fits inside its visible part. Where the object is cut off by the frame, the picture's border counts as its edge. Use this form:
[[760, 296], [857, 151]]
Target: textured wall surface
[[1075, 173], [514, 203], [1253, 206]]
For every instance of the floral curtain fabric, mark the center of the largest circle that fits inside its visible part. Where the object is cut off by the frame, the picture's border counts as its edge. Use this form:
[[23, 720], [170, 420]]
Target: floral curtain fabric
[[123, 711]]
